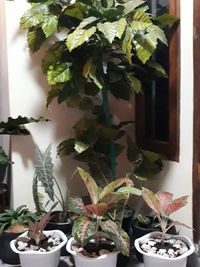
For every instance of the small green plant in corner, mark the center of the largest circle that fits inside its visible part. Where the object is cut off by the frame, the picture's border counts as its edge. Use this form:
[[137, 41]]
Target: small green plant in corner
[[163, 205], [16, 220], [105, 212]]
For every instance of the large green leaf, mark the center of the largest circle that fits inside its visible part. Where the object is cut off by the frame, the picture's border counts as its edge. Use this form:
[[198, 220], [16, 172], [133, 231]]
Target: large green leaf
[[78, 37], [114, 185], [66, 147], [16, 126], [52, 56], [127, 44], [44, 170], [144, 49], [118, 235], [132, 5], [91, 185], [87, 22], [84, 229], [35, 38], [76, 205], [76, 10], [80, 147], [166, 20], [130, 190], [154, 33], [59, 74], [120, 27], [49, 25], [141, 21], [34, 16], [135, 83]]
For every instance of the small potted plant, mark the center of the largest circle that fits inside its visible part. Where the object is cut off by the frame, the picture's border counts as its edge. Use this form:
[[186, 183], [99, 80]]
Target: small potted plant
[[39, 248], [44, 177], [97, 232], [159, 248], [12, 224]]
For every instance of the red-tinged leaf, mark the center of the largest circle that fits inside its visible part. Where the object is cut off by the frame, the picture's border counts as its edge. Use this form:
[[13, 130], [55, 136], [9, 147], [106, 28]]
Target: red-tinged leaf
[[151, 200], [76, 205], [18, 228], [114, 185], [165, 199], [177, 223], [91, 185], [84, 229], [118, 235], [98, 209], [176, 205]]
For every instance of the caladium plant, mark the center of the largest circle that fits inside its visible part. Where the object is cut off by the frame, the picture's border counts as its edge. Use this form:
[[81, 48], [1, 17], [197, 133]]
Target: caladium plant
[[163, 205], [105, 211]]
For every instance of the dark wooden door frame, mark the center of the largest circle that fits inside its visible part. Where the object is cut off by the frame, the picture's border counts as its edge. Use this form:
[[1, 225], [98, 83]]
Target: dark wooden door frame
[[196, 128]]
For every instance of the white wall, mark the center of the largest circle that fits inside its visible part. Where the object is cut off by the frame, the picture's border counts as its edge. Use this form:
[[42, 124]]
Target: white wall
[[28, 88]]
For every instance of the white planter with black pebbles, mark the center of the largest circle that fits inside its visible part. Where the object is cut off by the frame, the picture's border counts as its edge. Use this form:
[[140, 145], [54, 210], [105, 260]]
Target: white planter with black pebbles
[[174, 253], [47, 255], [83, 259]]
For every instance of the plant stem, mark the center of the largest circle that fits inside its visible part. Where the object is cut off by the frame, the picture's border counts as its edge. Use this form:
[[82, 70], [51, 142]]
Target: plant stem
[[109, 124], [62, 202]]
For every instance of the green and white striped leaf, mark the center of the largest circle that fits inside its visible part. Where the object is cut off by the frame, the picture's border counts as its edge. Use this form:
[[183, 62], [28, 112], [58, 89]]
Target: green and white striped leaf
[[35, 38], [87, 22], [141, 21], [127, 44], [118, 235], [34, 16], [135, 83], [78, 37], [44, 170], [84, 229], [59, 74], [49, 25], [132, 5], [91, 185]]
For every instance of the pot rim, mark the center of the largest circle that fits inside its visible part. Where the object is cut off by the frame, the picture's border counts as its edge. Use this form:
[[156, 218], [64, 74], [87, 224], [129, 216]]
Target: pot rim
[[77, 254], [190, 244], [50, 232]]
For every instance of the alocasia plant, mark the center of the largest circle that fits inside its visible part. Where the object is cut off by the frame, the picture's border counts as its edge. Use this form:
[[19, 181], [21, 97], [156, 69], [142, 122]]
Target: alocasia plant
[[163, 205], [105, 212]]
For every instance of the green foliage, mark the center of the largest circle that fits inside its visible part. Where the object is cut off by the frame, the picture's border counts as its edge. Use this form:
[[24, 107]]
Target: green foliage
[[44, 177], [15, 127], [107, 48], [105, 201], [16, 220]]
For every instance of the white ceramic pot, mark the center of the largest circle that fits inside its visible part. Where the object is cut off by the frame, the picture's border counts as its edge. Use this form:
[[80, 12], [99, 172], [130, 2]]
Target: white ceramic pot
[[107, 260], [153, 260], [40, 259]]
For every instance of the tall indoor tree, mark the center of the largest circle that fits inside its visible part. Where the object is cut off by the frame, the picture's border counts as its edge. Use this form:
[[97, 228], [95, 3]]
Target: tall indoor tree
[[106, 47]]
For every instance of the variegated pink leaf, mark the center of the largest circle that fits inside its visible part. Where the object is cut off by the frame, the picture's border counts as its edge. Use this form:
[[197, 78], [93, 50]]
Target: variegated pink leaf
[[76, 205], [165, 198], [151, 200], [84, 229], [176, 205], [98, 209], [113, 198], [177, 223], [91, 185], [114, 185], [118, 235]]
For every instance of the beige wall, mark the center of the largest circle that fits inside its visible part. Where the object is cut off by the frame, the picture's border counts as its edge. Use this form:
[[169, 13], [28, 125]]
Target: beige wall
[[28, 89]]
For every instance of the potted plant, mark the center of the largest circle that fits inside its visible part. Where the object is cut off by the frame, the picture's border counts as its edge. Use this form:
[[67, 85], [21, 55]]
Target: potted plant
[[12, 224], [44, 178], [159, 248], [97, 233], [36, 247]]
